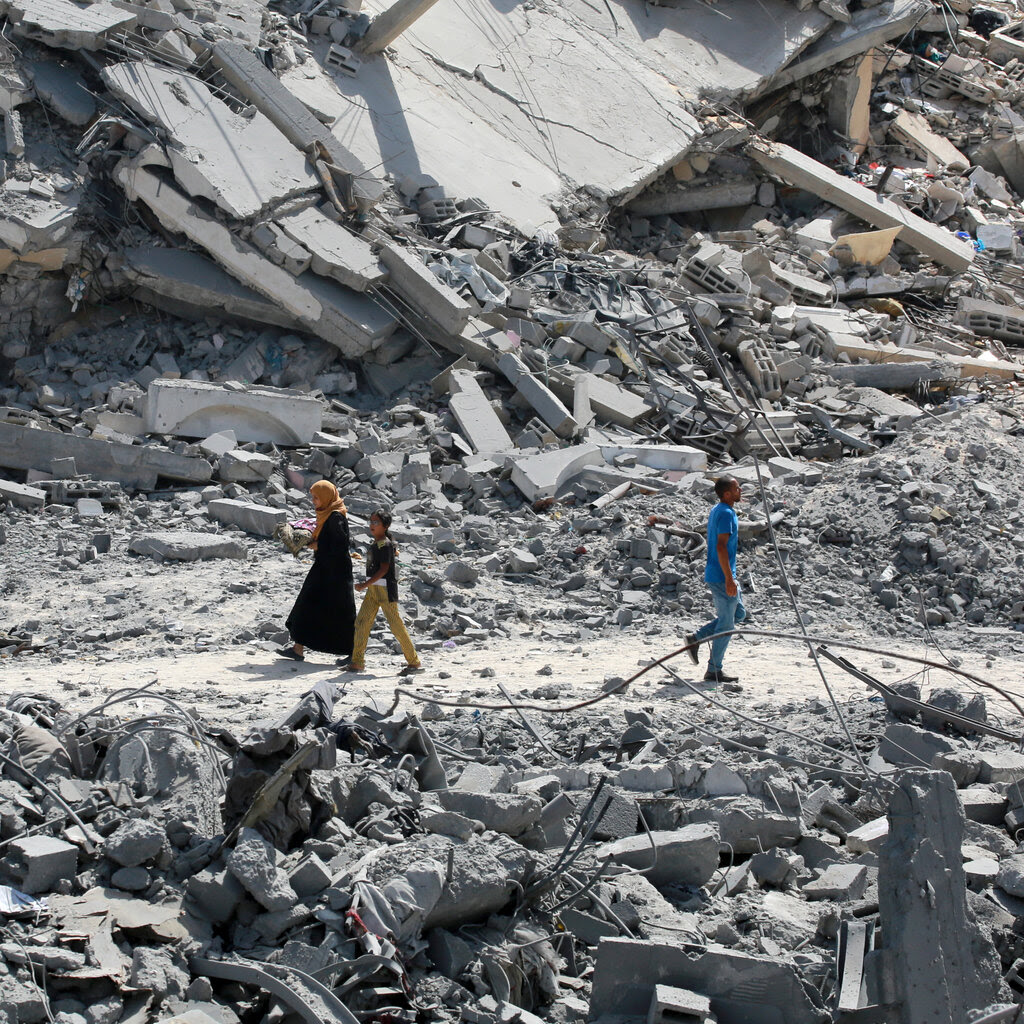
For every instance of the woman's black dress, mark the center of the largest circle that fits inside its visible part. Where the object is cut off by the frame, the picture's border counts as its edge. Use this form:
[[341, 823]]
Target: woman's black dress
[[324, 614]]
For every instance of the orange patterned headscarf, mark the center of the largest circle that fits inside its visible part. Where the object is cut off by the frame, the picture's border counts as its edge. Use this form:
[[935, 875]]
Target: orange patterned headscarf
[[326, 500]]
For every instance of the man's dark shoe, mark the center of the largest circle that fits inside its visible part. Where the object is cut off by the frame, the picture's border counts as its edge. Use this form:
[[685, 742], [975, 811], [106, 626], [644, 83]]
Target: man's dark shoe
[[692, 645], [711, 676]]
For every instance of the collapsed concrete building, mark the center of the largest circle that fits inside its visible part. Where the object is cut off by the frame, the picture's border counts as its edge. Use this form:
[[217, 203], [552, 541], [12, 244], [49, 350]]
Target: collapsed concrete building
[[596, 252]]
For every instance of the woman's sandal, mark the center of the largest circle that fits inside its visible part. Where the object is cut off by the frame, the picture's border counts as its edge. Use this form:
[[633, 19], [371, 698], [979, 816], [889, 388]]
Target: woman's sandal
[[290, 652]]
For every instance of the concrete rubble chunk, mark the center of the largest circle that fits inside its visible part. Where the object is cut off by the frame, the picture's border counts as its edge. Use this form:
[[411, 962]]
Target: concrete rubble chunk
[[247, 515], [688, 855], [336, 251], [252, 863], [499, 812], [40, 862], [184, 546], [739, 986], [135, 842]]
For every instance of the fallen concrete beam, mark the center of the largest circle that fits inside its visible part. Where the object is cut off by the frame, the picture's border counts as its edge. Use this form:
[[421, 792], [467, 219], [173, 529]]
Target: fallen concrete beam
[[193, 408], [424, 291], [344, 318], [21, 495], [261, 87], [805, 172], [539, 395], [982, 365], [132, 465], [688, 200]]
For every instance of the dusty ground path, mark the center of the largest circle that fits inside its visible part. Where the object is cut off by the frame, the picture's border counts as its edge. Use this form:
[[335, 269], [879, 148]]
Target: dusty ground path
[[248, 683]]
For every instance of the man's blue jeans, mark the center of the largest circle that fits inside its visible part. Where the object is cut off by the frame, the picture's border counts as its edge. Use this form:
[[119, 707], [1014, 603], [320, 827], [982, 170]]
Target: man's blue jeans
[[728, 611]]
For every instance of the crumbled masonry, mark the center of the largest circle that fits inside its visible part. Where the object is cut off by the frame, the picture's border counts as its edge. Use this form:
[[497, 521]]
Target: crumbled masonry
[[530, 277]]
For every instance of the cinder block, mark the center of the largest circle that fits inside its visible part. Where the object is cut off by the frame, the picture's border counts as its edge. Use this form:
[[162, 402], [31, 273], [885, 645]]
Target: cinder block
[[670, 1005], [41, 862]]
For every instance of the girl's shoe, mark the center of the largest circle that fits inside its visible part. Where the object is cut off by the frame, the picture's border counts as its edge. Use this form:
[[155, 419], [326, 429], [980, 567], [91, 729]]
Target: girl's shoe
[[347, 666], [410, 670], [290, 652]]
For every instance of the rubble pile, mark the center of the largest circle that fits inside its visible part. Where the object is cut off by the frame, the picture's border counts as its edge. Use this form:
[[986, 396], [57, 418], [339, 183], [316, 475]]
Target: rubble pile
[[454, 866], [248, 247]]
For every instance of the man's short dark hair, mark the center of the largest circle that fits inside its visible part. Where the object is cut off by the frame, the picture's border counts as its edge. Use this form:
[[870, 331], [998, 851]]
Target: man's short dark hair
[[723, 484]]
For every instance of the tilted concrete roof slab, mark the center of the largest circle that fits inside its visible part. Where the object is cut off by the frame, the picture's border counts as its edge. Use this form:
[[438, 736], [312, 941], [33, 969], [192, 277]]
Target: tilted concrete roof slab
[[572, 94], [241, 164]]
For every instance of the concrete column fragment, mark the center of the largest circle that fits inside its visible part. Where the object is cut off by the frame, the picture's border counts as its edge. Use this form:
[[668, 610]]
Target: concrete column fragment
[[477, 420], [940, 962], [539, 395], [390, 24], [429, 296]]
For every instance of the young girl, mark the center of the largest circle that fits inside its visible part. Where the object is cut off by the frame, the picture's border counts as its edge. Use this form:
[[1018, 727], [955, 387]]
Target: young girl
[[381, 592]]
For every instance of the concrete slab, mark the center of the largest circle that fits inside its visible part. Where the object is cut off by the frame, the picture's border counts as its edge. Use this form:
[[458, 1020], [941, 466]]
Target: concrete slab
[[687, 855], [185, 546], [345, 319], [867, 28], [66, 25], [678, 457], [260, 86], [130, 464], [62, 88], [246, 164], [538, 394], [192, 408], [742, 988], [259, 519], [337, 252], [807, 173], [186, 283], [540, 476], [457, 105]]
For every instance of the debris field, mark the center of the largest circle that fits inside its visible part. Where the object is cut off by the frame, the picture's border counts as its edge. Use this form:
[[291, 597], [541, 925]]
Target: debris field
[[530, 278]]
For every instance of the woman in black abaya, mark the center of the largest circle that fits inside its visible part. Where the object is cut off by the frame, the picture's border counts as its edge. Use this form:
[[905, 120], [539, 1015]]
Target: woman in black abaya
[[324, 613]]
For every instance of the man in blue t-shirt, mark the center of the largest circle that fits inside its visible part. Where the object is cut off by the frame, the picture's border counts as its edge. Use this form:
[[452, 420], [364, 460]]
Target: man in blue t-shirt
[[720, 576]]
